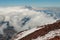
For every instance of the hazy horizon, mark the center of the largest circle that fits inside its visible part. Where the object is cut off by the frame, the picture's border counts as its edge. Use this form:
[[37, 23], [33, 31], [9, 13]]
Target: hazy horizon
[[34, 3]]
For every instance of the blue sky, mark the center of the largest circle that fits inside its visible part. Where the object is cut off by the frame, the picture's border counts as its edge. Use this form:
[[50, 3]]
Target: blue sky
[[34, 3]]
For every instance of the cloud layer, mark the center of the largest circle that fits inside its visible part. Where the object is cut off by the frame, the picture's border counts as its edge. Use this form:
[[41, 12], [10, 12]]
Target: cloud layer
[[23, 18]]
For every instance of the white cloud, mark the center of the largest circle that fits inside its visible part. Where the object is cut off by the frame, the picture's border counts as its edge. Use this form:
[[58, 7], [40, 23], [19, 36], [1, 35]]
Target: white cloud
[[15, 14], [2, 27]]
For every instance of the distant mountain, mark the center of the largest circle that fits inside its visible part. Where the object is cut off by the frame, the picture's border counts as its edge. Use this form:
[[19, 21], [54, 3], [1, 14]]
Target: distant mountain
[[28, 7], [45, 32]]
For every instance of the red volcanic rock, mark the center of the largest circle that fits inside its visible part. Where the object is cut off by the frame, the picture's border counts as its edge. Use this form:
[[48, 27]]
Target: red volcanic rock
[[55, 38], [41, 32]]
